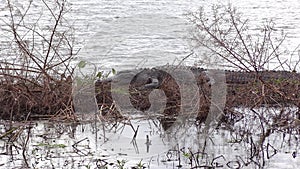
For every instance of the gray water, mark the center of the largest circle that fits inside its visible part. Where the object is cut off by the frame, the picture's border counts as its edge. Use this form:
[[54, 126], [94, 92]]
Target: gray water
[[136, 33], [97, 144], [130, 34]]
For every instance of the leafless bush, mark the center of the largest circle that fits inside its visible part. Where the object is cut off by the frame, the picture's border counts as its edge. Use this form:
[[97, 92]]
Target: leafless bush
[[273, 102], [226, 36], [36, 75]]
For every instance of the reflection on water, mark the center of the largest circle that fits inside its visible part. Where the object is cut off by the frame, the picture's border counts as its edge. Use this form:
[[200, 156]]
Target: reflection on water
[[249, 139]]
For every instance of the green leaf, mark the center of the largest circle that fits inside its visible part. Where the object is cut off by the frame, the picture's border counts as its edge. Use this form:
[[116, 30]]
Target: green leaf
[[51, 145], [60, 145], [82, 64], [187, 155], [99, 75], [113, 71]]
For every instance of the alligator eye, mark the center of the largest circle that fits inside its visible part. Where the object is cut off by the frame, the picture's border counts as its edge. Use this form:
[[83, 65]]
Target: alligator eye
[[149, 80]]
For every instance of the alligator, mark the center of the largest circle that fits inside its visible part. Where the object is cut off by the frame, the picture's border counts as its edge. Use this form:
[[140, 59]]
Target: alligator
[[243, 89]]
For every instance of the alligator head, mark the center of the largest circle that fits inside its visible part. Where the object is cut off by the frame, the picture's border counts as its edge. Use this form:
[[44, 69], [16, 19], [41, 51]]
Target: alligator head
[[149, 80]]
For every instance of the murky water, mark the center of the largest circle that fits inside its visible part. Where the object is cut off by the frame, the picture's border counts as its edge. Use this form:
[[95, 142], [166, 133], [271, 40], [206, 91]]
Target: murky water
[[131, 34], [97, 144]]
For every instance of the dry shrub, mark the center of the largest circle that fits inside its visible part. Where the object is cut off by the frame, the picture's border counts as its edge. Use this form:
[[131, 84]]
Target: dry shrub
[[266, 83], [233, 42], [35, 71], [225, 38]]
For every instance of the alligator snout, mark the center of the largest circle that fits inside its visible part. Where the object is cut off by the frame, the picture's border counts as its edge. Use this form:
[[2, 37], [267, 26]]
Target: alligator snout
[[152, 83]]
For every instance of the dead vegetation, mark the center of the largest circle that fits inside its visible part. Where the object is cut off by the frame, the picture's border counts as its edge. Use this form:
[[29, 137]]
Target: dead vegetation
[[35, 71], [271, 99]]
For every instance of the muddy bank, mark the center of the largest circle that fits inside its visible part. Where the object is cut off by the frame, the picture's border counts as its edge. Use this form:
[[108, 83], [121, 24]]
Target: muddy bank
[[23, 100], [243, 89]]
